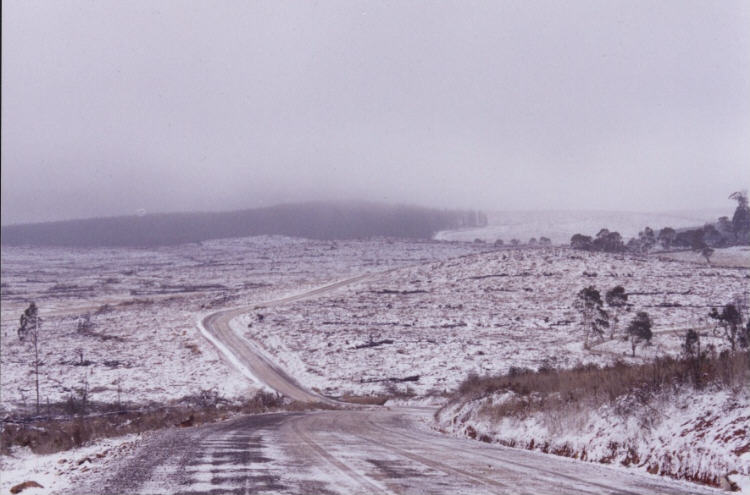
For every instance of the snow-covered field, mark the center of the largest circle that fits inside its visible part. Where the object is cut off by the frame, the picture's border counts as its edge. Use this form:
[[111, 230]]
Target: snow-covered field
[[144, 305], [481, 313], [738, 256]]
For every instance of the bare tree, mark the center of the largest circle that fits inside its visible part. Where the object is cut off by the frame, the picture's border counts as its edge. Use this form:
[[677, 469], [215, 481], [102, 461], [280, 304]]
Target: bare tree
[[29, 327]]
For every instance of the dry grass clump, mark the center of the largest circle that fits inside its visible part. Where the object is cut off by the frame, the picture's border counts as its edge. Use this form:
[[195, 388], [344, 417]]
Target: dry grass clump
[[54, 434], [593, 385]]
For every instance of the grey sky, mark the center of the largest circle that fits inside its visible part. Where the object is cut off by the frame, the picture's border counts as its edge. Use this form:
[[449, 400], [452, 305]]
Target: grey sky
[[112, 107]]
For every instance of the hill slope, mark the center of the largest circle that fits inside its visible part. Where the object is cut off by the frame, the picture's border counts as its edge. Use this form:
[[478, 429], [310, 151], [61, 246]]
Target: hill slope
[[320, 220]]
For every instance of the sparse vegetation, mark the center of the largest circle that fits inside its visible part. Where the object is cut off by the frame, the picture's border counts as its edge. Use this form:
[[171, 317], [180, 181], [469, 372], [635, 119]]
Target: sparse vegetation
[[62, 432], [591, 384], [732, 323]]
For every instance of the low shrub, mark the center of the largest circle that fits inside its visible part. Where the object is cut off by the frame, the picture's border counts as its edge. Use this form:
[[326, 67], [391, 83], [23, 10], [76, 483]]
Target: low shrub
[[594, 385]]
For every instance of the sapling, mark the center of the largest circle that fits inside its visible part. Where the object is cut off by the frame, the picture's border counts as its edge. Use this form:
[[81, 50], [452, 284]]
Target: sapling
[[29, 326]]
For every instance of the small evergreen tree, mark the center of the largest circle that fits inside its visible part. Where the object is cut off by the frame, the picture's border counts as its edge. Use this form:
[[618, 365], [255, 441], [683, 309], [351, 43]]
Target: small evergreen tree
[[593, 317], [607, 241], [741, 218], [639, 330], [647, 240], [729, 324], [617, 299], [580, 241]]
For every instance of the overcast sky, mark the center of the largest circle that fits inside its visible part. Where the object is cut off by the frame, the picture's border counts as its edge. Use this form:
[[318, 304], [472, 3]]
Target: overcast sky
[[113, 107]]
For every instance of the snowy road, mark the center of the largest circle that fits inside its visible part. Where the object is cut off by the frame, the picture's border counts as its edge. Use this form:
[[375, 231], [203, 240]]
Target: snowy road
[[348, 450]]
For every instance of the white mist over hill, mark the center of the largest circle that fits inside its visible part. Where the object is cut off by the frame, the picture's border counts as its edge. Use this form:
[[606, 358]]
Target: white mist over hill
[[559, 226]]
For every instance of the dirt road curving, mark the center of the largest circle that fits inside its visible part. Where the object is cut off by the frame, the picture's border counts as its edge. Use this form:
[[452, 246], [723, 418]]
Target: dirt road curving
[[348, 450]]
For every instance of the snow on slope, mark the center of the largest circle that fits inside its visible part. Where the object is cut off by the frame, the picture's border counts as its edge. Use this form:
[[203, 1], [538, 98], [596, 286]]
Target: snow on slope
[[695, 435]]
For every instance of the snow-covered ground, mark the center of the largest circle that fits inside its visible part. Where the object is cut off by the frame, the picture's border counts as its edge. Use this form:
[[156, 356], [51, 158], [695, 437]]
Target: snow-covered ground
[[559, 226], [144, 344], [447, 310], [738, 256], [481, 313], [686, 434], [64, 470]]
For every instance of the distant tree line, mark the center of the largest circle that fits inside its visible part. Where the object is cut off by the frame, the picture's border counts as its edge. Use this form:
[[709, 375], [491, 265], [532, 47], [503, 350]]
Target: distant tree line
[[318, 220], [533, 242], [723, 233]]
